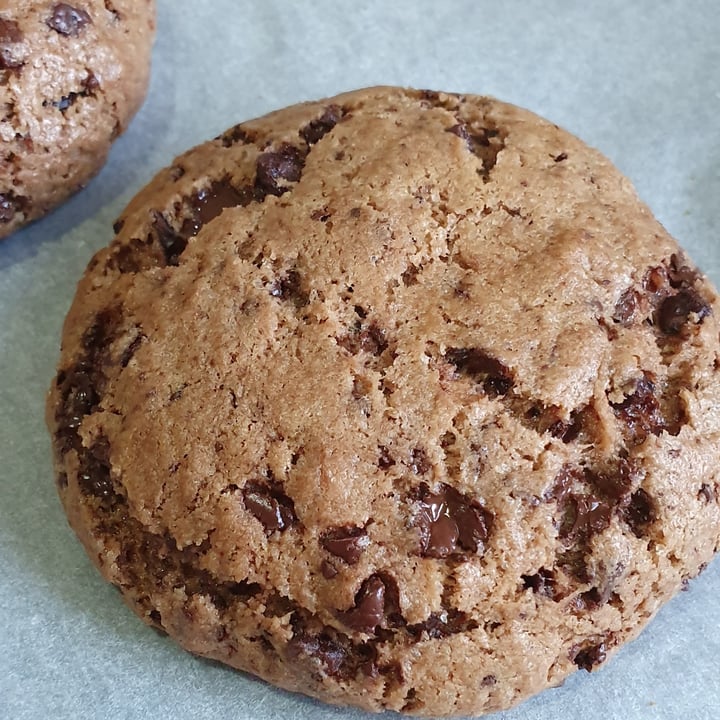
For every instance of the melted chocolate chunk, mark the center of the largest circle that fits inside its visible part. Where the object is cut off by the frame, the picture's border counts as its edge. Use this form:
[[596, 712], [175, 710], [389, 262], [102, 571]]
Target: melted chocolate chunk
[[495, 377], [640, 512], [440, 625], [676, 310], [329, 655], [318, 128], [275, 169], [205, 205], [450, 522], [67, 20], [586, 657], [10, 34], [94, 473], [369, 609], [588, 499], [272, 508], [78, 399], [640, 412], [348, 543]]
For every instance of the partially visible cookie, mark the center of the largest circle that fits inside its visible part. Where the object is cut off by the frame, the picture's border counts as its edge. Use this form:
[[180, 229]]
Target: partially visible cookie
[[72, 75], [400, 399]]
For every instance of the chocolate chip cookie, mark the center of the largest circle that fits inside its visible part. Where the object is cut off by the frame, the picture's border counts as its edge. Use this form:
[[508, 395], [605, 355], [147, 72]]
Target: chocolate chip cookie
[[72, 75], [400, 399]]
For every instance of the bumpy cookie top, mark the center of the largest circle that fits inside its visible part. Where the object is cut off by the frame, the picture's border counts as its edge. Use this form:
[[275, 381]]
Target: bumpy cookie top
[[71, 77], [401, 399]]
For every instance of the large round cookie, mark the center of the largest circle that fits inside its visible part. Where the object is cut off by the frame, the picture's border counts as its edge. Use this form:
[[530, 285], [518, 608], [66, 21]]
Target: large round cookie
[[72, 76], [400, 399]]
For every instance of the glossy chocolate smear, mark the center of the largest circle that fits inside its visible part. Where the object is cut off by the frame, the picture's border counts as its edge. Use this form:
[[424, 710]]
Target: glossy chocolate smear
[[272, 508], [369, 609], [206, 204], [494, 375], [67, 20], [450, 522], [348, 543]]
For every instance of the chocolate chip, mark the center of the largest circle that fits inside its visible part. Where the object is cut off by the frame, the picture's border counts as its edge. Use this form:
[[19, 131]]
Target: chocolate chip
[[541, 583], [486, 144], [369, 609], [328, 570], [627, 307], [347, 542], [272, 508], [11, 205], [78, 398], [171, 242], [640, 412], [94, 473], [318, 128], [640, 512], [385, 460], [588, 498], [588, 656], [289, 287], [584, 516], [131, 349], [676, 310], [494, 375], [275, 169], [448, 521], [330, 656], [681, 275], [369, 338], [67, 20], [562, 156], [237, 134], [706, 493], [10, 34], [118, 225], [443, 624], [488, 681]]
